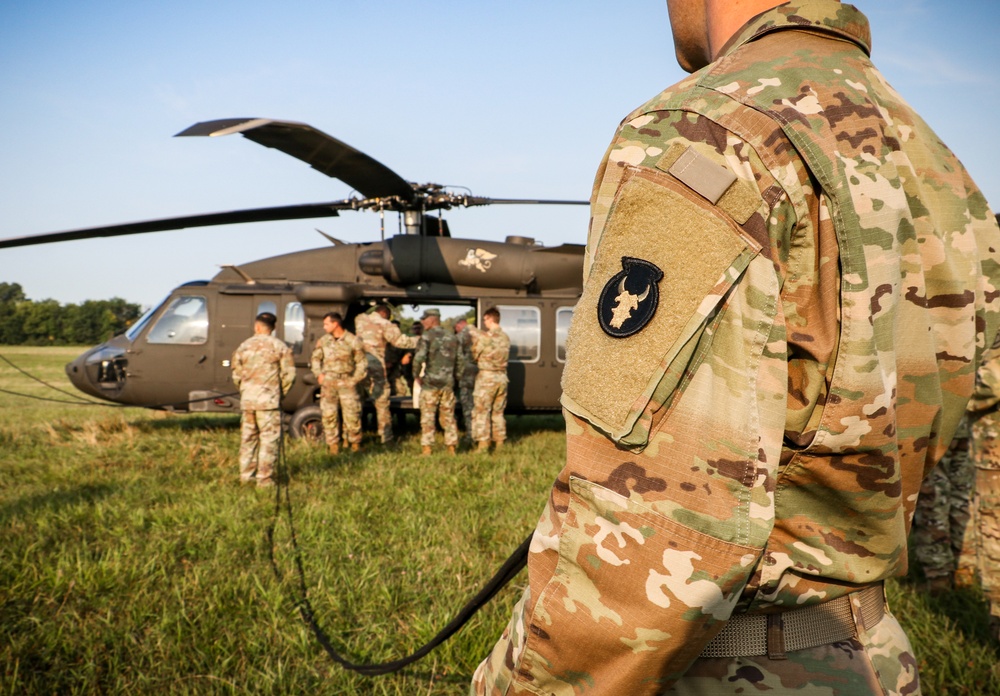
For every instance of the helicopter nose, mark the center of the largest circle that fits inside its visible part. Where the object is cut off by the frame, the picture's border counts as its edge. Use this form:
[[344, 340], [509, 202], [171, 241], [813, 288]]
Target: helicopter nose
[[77, 373]]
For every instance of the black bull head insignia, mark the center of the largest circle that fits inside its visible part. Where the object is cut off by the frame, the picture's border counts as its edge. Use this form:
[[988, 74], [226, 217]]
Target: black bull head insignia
[[629, 299]]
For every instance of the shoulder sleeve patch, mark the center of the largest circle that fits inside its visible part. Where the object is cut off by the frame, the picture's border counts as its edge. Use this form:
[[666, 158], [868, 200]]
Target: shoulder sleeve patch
[[609, 379]]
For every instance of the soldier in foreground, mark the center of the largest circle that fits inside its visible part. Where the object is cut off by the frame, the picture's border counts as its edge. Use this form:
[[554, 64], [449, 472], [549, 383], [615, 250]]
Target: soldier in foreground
[[263, 371], [790, 283], [339, 363], [466, 373], [491, 351], [435, 360], [375, 331]]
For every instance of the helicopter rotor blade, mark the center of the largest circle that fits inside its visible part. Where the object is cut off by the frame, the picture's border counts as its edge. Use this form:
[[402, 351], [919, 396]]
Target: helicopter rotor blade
[[470, 201], [322, 152], [288, 212]]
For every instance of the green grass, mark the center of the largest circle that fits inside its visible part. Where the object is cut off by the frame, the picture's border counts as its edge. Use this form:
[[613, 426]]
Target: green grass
[[132, 562]]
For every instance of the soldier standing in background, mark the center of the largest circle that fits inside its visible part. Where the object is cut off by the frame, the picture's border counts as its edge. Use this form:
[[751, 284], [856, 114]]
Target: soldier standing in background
[[263, 371], [466, 374], [943, 535], [339, 363], [375, 331], [435, 359], [984, 410], [491, 351]]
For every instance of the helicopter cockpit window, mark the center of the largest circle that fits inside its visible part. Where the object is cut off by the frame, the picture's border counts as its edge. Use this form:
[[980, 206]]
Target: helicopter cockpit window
[[564, 315], [295, 326], [524, 326], [184, 322], [133, 331]]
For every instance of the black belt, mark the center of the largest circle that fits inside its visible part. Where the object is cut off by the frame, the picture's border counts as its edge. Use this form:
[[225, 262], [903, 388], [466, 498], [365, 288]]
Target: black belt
[[775, 634]]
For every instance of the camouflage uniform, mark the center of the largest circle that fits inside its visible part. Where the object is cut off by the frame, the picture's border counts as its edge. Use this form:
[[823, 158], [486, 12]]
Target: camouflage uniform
[[985, 415], [436, 355], [466, 376], [375, 332], [491, 350], [943, 539], [719, 468], [263, 371], [342, 363]]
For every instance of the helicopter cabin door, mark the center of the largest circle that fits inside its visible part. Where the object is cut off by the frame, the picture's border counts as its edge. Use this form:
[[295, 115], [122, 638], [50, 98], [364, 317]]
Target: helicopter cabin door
[[174, 358]]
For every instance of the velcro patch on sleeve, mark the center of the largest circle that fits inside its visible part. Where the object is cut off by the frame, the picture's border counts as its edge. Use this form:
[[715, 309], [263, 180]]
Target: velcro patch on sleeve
[[654, 223]]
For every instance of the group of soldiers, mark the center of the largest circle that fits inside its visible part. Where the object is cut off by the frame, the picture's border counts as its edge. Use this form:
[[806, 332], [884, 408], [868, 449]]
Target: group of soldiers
[[346, 365]]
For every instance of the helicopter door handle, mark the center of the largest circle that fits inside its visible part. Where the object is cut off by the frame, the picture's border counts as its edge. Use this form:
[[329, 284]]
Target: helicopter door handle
[[202, 359]]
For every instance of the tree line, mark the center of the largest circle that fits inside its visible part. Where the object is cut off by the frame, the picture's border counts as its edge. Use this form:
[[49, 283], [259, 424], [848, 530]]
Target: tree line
[[47, 323]]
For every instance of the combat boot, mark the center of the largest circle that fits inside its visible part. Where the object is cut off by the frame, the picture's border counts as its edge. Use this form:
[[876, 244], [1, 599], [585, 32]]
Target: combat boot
[[483, 446], [498, 445], [451, 450], [964, 577], [426, 450], [334, 450], [355, 447]]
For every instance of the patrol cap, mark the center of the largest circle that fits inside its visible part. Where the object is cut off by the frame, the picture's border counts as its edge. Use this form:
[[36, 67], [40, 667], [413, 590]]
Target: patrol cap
[[431, 313]]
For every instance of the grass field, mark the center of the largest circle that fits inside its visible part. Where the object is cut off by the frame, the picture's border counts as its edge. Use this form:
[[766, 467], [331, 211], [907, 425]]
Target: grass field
[[132, 562]]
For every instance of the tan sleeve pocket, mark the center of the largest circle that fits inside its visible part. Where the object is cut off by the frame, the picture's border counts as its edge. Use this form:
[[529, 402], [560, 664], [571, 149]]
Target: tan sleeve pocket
[[633, 593], [609, 380]]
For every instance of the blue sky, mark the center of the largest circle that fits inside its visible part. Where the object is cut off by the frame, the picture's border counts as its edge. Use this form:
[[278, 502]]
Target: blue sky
[[513, 99]]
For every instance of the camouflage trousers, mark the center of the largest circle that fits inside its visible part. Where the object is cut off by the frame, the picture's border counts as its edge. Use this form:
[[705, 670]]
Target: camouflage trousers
[[489, 401], [437, 404], [942, 537], [466, 388], [377, 387], [339, 398], [986, 506], [260, 440]]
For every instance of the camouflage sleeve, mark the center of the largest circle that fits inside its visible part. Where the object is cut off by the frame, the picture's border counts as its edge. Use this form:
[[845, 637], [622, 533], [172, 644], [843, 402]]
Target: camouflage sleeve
[[287, 371], [316, 361], [360, 361], [236, 363], [986, 395], [395, 337], [420, 357], [675, 425]]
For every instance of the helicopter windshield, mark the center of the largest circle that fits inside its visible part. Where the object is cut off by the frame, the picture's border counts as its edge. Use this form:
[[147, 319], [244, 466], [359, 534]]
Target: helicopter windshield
[[136, 328]]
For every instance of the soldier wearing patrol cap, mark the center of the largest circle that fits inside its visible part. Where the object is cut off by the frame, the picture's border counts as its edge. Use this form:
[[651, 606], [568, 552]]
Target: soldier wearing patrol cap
[[790, 283], [339, 363], [434, 368], [263, 371]]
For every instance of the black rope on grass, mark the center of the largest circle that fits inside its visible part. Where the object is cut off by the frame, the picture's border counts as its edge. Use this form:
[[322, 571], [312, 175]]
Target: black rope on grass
[[24, 372], [511, 567]]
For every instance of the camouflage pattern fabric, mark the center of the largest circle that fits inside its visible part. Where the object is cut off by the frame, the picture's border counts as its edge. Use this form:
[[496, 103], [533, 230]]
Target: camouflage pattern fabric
[[716, 461], [491, 351], [343, 365], [489, 399], [985, 415], [943, 537], [435, 360], [437, 405], [263, 371], [466, 376], [375, 333]]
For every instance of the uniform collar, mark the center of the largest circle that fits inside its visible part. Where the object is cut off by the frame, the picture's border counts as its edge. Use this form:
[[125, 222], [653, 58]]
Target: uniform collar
[[827, 16]]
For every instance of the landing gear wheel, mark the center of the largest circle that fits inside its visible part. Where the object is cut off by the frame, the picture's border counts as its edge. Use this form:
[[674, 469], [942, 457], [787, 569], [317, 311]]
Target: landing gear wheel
[[307, 424]]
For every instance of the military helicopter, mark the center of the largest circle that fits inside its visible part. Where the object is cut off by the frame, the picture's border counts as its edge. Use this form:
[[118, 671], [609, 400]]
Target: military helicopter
[[176, 356]]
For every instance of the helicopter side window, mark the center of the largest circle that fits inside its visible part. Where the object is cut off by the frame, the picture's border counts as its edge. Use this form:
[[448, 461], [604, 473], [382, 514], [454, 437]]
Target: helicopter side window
[[268, 306], [563, 317], [184, 322], [524, 326], [294, 326]]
